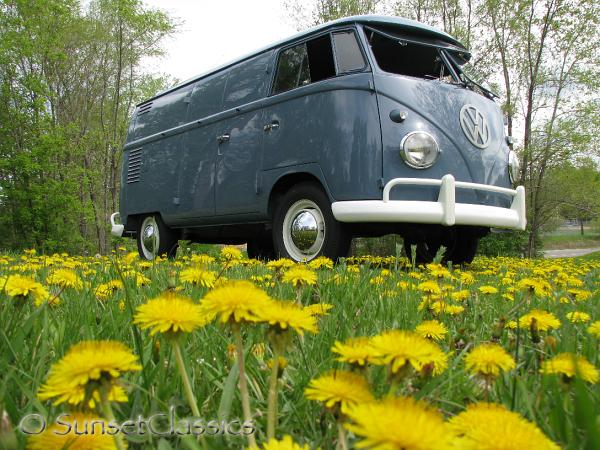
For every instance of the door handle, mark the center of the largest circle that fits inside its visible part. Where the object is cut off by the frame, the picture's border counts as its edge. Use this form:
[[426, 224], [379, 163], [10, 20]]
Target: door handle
[[271, 126], [223, 138]]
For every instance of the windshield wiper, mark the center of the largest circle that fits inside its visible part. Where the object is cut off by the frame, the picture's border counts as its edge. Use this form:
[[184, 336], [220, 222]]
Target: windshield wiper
[[465, 80], [470, 83]]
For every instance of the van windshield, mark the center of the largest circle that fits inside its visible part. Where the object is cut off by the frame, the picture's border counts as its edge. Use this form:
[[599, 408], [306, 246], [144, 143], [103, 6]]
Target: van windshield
[[404, 57]]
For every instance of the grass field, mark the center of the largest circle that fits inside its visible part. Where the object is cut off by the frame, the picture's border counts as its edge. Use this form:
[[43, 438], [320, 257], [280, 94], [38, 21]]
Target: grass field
[[49, 304], [570, 238]]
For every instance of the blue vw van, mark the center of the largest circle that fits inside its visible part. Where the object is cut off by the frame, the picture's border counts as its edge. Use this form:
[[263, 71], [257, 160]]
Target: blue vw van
[[363, 126]]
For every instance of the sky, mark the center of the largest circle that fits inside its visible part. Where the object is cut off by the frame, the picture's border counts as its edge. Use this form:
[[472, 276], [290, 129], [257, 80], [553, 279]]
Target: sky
[[213, 32]]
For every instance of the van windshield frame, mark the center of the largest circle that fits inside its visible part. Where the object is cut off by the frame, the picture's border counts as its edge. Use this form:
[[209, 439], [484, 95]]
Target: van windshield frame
[[440, 62], [451, 57]]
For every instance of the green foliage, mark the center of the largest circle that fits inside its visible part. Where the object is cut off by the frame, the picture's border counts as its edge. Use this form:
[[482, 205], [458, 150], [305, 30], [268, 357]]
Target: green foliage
[[380, 246], [69, 77], [511, 243]]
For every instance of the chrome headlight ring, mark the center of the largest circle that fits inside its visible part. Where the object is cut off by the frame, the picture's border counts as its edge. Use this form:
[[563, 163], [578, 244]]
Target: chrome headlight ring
[[419, 150]]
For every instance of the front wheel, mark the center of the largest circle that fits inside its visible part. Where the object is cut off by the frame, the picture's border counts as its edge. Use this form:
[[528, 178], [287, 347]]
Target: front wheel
[[154, 238], [460, 248], [304, 226]]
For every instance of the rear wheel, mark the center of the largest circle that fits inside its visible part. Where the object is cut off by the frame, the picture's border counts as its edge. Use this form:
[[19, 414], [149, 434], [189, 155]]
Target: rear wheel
[[154, 238], [304, 226]]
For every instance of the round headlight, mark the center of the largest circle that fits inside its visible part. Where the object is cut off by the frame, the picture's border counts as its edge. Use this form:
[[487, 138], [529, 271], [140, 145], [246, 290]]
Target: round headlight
[[514, 167], [419, 150]]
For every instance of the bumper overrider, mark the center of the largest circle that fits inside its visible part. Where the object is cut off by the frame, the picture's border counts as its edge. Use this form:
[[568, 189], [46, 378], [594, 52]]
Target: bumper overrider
[[445, 211], [116, 228]]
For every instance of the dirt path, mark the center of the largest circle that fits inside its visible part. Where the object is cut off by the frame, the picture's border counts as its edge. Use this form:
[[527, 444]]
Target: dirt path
[[569, 252]]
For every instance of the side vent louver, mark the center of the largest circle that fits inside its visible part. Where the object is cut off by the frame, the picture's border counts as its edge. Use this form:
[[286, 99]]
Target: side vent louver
[[146, 107], [134, 165]]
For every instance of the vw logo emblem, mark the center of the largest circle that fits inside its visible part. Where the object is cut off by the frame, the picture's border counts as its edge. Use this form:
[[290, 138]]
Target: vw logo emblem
[[474, 126]]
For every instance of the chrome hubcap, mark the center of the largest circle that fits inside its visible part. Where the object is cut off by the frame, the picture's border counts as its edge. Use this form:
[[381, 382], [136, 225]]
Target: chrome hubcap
[[304, 230], [149, 238]]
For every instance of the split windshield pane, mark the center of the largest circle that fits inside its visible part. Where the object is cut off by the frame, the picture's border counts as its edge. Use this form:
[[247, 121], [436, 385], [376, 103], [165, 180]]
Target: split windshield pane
[[407, 58]]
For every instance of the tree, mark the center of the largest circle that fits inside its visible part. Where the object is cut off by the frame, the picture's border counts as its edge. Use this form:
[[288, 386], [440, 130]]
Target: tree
[[69, 78], [574, 189]]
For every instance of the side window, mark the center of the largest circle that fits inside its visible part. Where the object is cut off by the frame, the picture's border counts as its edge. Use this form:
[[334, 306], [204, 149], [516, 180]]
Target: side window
[[292, 69], [303, 64], [347, 52]]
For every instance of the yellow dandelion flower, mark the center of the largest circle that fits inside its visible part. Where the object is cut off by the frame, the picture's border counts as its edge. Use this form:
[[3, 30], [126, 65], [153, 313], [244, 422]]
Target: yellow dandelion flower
[[318, 309], [300, 275], [287, 315], [281, 263], [539, 287], [19, 286], [202, 259], [432, 329], [353, 269], [594, 329], [460, 296], [236, 300], [467, 278], [485, 426], [87, 432], [282, 363], [86, 362], [198, 276], [105, 290], [286, 443], [231, 253], [65, 278], [356, 350], [130, 257], [488, 290], [440, 307], [339, 389], [169, 313], [404, 285], [400, 349], [423, 428], [544, 320], [429, 287], [578, 317], [488, 360], [321, 262], [580, 295], [570, 365], [378, 280]]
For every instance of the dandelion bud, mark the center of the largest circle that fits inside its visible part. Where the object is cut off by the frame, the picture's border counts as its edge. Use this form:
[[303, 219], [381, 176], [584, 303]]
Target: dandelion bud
[[534, 331], [498, 329]]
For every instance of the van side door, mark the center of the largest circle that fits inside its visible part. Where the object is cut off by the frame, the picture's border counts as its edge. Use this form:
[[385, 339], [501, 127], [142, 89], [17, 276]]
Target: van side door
[[240, 135], [197, 176]]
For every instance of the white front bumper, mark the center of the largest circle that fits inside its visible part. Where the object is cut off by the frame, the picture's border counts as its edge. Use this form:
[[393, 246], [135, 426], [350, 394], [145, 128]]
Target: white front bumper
[[116, 228], [445, 211]]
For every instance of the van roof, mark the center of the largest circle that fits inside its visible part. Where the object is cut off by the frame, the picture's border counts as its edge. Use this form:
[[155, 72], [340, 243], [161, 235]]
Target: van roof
[[388, 21]]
